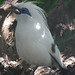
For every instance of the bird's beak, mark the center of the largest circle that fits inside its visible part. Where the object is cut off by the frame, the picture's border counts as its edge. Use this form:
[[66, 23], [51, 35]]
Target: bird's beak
[[10, 7]]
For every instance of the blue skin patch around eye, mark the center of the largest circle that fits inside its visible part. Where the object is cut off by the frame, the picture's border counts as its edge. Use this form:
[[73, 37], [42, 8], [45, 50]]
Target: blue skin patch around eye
[[23, 11]]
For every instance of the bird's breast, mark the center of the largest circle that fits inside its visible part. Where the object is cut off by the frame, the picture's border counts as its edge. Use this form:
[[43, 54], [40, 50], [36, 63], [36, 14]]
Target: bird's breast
[[32, 42]]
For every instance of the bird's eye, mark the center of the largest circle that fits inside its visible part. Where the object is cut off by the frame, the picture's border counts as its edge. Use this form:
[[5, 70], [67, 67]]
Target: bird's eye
[[25, 11]]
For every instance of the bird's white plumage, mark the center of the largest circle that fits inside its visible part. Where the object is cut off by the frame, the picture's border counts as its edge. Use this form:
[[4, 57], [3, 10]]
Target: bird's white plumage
[[33, 38]]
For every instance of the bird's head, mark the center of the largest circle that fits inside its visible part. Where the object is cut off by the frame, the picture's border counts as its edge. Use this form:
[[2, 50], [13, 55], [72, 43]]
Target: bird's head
[[27, 10], [17, 8]]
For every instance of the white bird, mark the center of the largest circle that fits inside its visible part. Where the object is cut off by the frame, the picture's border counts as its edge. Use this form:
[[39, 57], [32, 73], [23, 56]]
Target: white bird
[[34, 41]]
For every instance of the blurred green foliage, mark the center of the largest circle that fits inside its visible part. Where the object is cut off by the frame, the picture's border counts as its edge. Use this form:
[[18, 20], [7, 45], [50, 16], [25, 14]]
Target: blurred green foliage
[[69, 6], [66, 3], [1, 1]]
